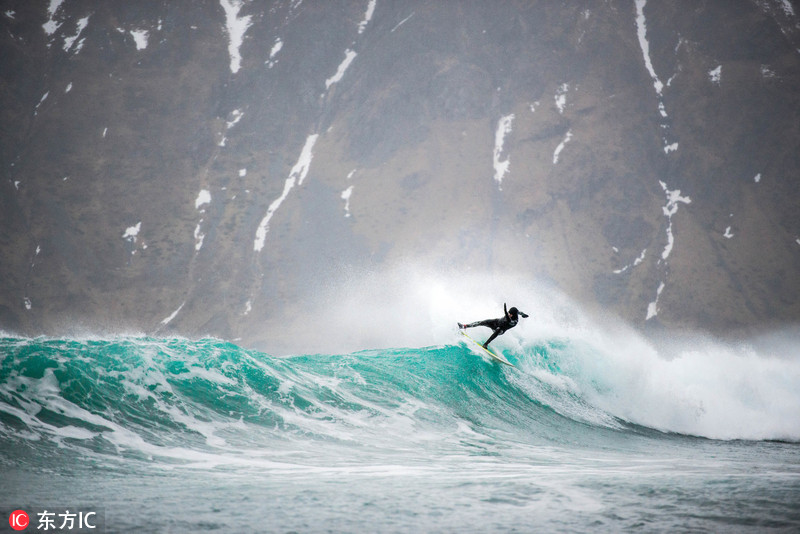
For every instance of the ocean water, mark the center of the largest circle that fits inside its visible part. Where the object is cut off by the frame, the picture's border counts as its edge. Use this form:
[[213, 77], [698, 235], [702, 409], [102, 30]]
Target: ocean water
[[583, 435]]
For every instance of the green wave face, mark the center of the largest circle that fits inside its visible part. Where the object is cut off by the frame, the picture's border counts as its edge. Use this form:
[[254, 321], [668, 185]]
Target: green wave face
[[209, 401], [155, 398]]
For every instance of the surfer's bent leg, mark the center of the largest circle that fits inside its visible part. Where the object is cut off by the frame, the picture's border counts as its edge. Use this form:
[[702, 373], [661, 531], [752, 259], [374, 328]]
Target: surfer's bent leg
[[496, 333]]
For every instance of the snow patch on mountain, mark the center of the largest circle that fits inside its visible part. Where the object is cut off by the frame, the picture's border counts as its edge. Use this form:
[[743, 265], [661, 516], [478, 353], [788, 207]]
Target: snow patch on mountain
[[367, 16], [69, 41], [402, 22], [236, 115], [349, 56], [203, 199], [346, 197], [501, 166], [630, 266], [652, 308], [140, 37], [658, 85], [51, 25], [131, 235], [561, 97], [561, 146], [236, 27], [296, 176], [674, 199], [276, 47], [174, 314], [715, 75]]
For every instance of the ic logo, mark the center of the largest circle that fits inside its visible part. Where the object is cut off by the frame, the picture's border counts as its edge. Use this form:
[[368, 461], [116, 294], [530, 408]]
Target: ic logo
[[18, 520]]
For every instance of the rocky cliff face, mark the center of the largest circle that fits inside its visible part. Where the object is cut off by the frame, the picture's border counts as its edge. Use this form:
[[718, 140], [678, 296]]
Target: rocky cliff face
[[207, 167]]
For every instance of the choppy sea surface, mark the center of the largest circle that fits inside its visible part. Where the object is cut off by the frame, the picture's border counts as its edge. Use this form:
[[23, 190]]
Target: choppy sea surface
[[178, 435]]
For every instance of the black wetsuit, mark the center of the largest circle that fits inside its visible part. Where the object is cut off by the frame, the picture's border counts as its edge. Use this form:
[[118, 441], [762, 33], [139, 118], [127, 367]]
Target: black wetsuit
[[499, 326]]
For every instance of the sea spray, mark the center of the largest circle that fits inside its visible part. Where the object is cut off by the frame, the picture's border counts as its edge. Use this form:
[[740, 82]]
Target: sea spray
[[192, 435]]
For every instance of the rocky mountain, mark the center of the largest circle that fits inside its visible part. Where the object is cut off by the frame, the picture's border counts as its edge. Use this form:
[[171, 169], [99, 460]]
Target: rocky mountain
[[211, 166]]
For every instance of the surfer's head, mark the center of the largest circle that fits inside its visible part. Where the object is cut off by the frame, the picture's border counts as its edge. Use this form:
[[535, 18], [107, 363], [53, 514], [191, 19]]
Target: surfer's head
[[513, 312]]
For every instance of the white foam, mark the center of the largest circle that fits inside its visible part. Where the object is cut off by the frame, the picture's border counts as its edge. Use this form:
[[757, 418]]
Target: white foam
[[695, 386], [419, 306], [711, 389], [559, 392], [689, 384]]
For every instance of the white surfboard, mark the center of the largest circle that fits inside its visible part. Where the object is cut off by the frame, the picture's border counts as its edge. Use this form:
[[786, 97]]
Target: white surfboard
[[497, 357]]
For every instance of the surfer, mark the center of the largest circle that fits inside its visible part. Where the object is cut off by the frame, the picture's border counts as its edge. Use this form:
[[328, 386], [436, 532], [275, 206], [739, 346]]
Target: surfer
[[500, 325]]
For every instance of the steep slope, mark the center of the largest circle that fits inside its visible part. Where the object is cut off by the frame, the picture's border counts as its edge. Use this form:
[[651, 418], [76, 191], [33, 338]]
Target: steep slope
[[211, 167]]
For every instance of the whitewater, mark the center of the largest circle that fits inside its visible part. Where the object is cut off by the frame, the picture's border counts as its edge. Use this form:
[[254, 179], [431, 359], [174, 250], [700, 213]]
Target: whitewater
[[393, 424]]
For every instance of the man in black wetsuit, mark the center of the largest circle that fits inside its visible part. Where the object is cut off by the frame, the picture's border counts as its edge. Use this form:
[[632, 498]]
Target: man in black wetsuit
[[508, 321]]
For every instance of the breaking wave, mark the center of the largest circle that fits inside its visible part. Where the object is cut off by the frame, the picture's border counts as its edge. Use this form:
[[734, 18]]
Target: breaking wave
[[210, 402]]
